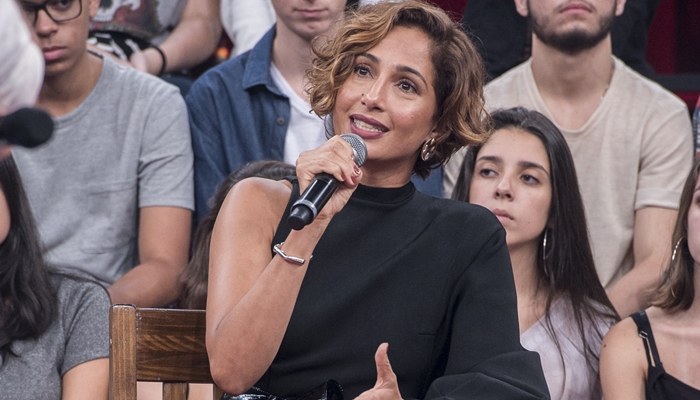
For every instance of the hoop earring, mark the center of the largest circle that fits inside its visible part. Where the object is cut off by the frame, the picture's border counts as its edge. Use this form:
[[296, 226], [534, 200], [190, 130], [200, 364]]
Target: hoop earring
[[428, 149], [328, 125], [675, 250], [544, 253]]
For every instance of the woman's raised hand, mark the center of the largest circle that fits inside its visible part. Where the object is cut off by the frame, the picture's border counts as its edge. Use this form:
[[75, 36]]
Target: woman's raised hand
[[336, 158], [386, 388]]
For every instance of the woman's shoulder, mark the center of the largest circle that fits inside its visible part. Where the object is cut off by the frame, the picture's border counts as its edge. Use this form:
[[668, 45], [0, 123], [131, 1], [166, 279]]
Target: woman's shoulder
[[623, 342], [77, 290], [460, 213]]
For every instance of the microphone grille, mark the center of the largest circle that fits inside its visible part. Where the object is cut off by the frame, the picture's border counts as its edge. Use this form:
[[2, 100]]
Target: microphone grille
[[358, 145]]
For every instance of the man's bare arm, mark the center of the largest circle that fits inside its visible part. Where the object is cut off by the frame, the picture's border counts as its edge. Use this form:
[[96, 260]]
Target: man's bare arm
[[653, 227], [164, 238]]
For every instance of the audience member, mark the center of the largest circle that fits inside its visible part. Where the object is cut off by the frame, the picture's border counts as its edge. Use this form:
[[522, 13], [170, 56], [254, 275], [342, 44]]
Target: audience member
[[638, 361], [193, 292], [254, 107], [112, 191], [390, 264], [629, 138], [54, 339], [502, 34], [157, 36], [525, 175]]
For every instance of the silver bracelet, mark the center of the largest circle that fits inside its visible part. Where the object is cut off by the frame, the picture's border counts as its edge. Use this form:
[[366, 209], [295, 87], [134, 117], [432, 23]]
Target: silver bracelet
[[285, 257]]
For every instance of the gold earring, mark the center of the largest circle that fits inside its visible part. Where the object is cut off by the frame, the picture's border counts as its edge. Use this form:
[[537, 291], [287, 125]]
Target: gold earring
[[428, 149]]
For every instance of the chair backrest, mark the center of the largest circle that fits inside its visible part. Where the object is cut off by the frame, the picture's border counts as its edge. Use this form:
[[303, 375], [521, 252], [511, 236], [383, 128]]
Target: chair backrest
[[157, 345]]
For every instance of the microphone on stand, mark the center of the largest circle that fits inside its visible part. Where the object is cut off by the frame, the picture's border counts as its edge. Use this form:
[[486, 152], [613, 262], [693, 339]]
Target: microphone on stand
[[26, 127], [306, 208]]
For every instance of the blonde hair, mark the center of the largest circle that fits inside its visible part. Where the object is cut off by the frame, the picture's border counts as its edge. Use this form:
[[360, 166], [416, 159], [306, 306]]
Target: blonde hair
[[459, 72]]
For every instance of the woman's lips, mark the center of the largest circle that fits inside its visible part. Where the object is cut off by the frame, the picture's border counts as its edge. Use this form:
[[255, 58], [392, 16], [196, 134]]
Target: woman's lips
[[53, 53], [502, 215], [367, 128]]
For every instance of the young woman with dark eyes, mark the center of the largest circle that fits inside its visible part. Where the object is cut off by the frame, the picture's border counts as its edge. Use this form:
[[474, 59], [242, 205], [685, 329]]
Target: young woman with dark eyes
[[653, 354], [390, 264], [54, 338], [525, 175]]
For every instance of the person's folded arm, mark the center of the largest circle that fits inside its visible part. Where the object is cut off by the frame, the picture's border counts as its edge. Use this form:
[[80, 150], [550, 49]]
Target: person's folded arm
[[653, 227], [164, 235], [193, 40]]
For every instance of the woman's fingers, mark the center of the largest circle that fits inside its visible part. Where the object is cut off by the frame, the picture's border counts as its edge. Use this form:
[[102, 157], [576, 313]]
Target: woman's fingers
[[385, 374], [334, 157]]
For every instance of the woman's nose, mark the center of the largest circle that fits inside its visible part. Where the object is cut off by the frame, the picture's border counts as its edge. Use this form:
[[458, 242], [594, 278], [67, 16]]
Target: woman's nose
[[373, 98], [503, 189]]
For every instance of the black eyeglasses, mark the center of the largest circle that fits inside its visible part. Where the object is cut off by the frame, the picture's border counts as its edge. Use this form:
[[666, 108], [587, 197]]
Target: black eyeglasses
[[57, 10]]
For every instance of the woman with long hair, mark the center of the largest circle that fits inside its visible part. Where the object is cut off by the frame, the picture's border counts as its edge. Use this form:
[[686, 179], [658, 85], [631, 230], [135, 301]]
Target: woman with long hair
[[381, 263], [54, 338], [193, 281], [525, 175], [653, 354]]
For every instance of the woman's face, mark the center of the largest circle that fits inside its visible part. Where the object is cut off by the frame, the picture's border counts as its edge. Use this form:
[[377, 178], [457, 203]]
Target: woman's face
[[512, 179], [389, 99], [4, 217], [694, 225]]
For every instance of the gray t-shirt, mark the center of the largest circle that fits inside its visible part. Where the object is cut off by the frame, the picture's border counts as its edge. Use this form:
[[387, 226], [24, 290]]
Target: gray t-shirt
[[79, 333], [125, 147]]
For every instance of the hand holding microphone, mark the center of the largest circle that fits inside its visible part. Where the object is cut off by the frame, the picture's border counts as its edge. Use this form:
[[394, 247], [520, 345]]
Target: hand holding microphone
[[322, 187]]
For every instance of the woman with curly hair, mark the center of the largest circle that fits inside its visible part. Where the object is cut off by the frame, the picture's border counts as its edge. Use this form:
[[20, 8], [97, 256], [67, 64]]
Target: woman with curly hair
[[430, 277]]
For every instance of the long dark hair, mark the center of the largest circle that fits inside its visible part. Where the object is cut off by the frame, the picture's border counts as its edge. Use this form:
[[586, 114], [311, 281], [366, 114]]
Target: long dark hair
[[193, 281], [27, 298], [676, 291], [567, 268]]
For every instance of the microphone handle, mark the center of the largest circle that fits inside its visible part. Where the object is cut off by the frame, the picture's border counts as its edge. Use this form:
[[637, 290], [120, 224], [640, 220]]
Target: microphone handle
[[314, 198]]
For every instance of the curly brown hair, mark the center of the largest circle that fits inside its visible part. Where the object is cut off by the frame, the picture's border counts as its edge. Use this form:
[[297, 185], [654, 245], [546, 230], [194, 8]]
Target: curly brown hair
[[460, 115]]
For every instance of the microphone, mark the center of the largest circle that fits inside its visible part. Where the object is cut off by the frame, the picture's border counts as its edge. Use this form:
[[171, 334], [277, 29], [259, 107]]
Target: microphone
[[27, 127], [306, 208]]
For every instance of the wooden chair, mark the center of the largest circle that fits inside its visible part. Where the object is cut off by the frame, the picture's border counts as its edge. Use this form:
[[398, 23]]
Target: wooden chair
[[157, 345]]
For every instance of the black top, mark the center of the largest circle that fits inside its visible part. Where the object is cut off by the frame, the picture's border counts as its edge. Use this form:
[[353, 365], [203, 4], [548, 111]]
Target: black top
[[660, 385], [432, 277]]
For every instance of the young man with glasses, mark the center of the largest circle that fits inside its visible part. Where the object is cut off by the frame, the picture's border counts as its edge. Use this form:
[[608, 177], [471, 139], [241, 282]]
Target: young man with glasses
[[112, 192]]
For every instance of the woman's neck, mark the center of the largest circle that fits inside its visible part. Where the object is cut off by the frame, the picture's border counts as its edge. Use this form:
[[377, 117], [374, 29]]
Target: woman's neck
[[531, 291]]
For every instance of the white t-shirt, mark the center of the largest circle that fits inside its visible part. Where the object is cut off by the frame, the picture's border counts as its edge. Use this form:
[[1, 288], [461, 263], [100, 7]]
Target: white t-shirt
[[635, 151], [574, 379], [306, 130]]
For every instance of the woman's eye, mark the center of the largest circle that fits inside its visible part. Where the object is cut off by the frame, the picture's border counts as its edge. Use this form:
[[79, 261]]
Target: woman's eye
[[529, 179], [485, 172], [407, 86], [361, 70]]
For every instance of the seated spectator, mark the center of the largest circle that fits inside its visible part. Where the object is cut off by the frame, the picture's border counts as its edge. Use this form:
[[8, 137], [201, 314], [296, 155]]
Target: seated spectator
[[254, 107], [157, 36], [525, 175], [653, 354], [193, 294], [502, 34], [112, 191], [629, 138], [54, 337]]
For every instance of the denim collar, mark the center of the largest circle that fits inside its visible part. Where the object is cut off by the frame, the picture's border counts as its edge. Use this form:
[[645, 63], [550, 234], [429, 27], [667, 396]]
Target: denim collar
[[257, 69]]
